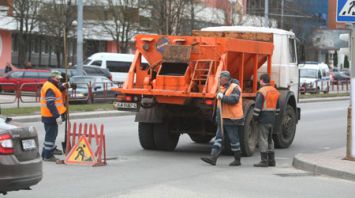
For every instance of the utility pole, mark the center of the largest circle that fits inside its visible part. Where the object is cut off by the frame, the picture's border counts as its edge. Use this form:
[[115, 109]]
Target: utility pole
[[65, 33], [266, 23], [352, 52], [282, 13], [79, 31]]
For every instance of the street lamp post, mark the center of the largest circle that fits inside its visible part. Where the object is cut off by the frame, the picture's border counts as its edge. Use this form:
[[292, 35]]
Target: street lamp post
[[266, 14], [79, 30]]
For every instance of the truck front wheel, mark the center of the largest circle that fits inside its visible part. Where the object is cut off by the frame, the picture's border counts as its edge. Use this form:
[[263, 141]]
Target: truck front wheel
[[146, 135], [248, 134], [284, 138], [164, 140]]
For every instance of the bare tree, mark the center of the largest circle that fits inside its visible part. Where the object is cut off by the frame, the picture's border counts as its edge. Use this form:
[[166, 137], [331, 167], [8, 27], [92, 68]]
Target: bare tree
[[55, 18], [25, 13], [167, 16], [119, 18]]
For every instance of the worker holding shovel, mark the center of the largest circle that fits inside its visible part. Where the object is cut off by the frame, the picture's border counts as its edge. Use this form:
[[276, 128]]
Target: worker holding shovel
[[229, 117]]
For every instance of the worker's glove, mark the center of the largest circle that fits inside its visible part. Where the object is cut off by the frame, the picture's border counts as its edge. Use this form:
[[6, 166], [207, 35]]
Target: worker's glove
[[219, 96], [59, 120], [66, 85]]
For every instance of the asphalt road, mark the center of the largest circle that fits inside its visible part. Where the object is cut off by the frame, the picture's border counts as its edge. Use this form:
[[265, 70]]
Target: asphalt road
[[139, 173]]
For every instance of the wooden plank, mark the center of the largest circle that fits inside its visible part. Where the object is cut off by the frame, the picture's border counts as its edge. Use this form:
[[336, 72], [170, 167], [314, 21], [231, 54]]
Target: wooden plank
[[255, 36]]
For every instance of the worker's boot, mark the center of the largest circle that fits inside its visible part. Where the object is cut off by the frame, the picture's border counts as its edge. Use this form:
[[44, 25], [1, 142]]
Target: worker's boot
[[264, 161], [236, 161], [212, 159], [271, 158]]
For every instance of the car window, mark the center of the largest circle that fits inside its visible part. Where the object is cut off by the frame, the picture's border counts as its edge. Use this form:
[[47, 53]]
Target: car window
[[292, 50], [87, 61], [76, 72], [17, 74], [43, 75], [96, 63], [30, 74], [118, 66], [90, 70], [308, 73]]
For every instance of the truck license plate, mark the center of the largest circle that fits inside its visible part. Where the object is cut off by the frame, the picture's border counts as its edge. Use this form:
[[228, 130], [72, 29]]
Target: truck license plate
[[126, 105], [28, 144]]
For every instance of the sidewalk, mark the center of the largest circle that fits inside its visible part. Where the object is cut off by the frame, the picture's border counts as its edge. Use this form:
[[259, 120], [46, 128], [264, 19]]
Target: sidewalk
[[325, 99], [78, 115], [330, 163]]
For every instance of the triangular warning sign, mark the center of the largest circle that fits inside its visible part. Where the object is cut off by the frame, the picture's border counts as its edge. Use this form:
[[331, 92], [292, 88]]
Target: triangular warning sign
[[348, 9], [81, 153]]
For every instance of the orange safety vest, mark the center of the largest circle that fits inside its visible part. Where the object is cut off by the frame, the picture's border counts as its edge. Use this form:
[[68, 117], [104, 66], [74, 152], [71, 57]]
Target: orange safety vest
[[59, 103], [232, 111], [271, 96]]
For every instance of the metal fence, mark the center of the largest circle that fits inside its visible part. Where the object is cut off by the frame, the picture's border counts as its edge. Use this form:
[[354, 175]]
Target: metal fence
[[30, 93], [318, 87]]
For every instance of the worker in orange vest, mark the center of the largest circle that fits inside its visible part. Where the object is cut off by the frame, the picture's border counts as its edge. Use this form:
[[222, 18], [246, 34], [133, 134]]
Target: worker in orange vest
[[267, 107], [52, 112], [232, 118]]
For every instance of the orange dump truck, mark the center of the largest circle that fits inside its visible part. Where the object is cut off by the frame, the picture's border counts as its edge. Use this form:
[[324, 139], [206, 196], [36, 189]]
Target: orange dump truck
[[176, 93]]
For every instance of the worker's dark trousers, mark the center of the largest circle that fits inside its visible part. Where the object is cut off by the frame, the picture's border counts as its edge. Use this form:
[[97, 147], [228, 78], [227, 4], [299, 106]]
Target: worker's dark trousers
[[49, 139], [265, 141], [230, 132]]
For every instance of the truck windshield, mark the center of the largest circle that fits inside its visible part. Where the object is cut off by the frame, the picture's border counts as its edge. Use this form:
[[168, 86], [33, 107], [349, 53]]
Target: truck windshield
[[308, 73]]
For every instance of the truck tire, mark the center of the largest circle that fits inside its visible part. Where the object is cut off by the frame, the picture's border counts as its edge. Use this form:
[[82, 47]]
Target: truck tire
[[201, 139], [163, 139], [248, 134], [288, 129], [146, 135]]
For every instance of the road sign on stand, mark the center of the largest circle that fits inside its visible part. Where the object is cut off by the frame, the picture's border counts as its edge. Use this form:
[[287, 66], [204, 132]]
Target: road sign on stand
[[81, 153], [346, 11]]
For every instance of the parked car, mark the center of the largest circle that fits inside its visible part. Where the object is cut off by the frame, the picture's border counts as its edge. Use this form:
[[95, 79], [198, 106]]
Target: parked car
[[339, 77], [100, 89], [20, 161], [71, 72], [314, 77], [24, 79], [116, 63], [91, 70]]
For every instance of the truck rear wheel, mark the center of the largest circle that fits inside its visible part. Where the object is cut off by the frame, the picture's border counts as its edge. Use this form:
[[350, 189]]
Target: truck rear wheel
[[201, 139], [164, 140], [248, 134], [284, 138], [146, 135]]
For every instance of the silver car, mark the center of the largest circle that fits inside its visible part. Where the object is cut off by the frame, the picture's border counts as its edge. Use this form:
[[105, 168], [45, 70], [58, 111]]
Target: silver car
[[100, 89], [20, 161]]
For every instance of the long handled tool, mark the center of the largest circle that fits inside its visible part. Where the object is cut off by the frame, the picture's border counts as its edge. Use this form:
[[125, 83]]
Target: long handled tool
[[65, 95], [219, 106]]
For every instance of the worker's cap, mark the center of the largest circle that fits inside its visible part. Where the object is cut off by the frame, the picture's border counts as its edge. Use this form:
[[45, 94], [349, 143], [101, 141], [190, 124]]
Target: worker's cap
[[225, 74], [56, 74]]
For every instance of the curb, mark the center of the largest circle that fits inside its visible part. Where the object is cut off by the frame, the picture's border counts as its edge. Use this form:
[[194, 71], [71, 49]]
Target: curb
[[93, 114], [323, 99], [301, 161]]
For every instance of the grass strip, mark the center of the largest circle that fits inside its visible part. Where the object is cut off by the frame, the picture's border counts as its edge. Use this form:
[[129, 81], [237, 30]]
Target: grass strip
[[72, 108]]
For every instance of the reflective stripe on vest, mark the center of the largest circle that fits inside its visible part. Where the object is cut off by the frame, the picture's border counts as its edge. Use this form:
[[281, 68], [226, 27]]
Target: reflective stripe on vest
[[58, 100], [271, 96], [234, 111]]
